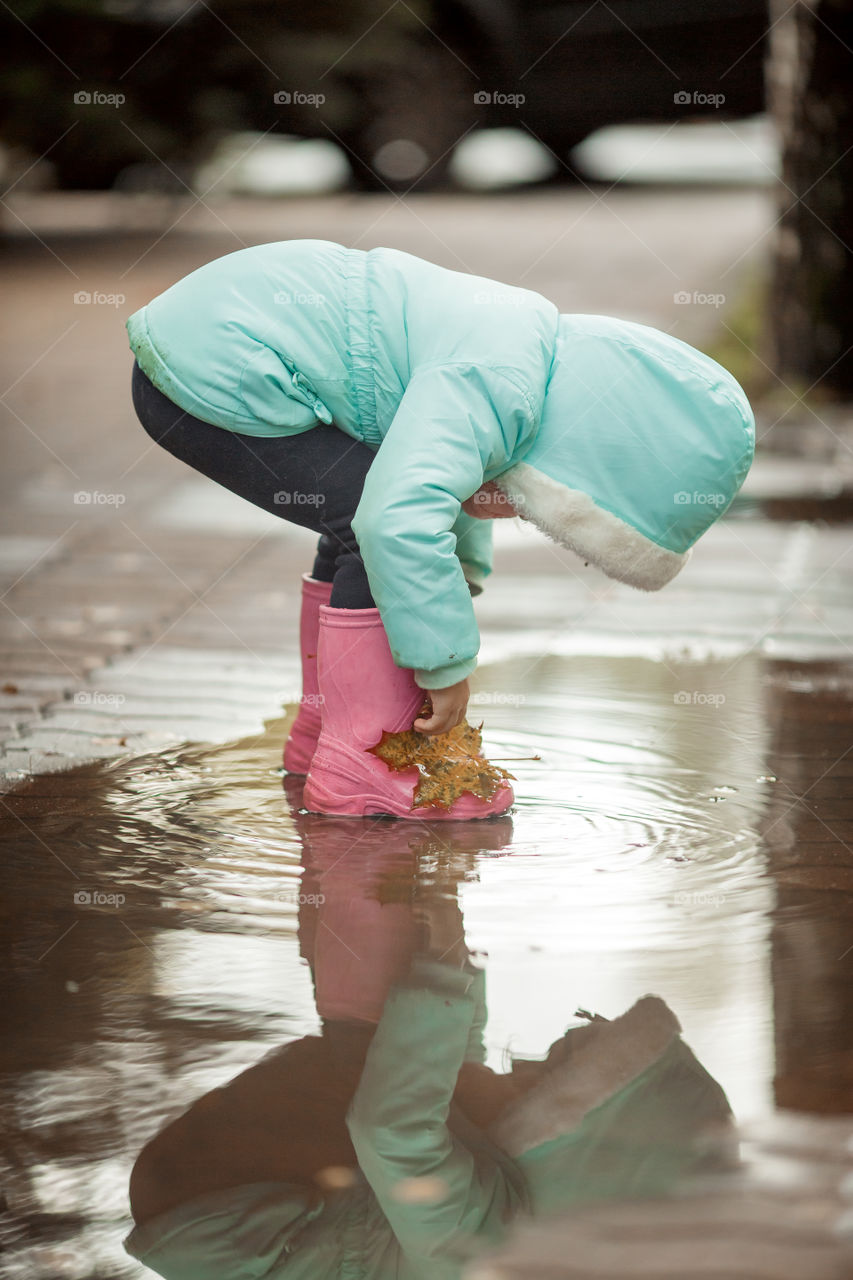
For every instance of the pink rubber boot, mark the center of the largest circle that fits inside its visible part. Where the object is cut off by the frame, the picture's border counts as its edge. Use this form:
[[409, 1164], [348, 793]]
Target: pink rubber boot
[[363, 694], [305, 729]]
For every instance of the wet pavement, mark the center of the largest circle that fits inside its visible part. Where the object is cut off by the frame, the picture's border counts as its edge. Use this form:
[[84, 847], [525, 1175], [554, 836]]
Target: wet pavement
[[683, 823]]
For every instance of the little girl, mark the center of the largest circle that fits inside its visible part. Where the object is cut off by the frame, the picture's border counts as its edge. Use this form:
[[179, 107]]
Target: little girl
[[395, 408]]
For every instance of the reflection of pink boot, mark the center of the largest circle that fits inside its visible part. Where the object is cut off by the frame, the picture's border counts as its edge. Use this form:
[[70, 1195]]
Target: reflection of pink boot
[[363, 693], [305, 729]]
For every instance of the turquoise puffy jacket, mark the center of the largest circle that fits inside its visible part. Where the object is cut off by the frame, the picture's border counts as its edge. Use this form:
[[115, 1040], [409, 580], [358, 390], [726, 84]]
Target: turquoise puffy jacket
[[620, 442]]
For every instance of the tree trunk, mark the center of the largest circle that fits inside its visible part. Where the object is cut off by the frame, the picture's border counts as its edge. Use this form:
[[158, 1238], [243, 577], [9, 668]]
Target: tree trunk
[[810, 82]]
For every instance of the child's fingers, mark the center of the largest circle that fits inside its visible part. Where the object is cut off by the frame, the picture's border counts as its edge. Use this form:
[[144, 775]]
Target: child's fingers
[[434, 724], [440, 722], [446, 709]]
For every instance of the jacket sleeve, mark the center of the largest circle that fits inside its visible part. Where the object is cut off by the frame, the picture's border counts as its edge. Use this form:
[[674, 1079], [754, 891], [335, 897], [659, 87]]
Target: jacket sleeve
[[454, 424], [474, 549], [398, 1121], [475, 1049]]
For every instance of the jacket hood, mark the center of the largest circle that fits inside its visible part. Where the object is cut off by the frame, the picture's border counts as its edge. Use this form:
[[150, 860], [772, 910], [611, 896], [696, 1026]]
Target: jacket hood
[[642, 445], [618, 1052], [625, 1109]]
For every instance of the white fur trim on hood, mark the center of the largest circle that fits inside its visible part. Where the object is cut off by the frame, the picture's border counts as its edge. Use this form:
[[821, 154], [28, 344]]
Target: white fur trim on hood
[[609, 1057], [572, 519]]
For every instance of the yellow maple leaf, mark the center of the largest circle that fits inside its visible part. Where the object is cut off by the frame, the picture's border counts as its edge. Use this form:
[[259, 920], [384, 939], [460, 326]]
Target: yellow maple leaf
[[449, 764]]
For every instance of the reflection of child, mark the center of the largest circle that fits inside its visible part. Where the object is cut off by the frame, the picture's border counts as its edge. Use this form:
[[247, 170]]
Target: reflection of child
[[394, 408], [447, 1152]]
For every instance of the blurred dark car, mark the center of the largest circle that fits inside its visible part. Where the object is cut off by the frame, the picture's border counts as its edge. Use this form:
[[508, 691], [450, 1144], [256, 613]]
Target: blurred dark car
[[560, 71], [397, 87]]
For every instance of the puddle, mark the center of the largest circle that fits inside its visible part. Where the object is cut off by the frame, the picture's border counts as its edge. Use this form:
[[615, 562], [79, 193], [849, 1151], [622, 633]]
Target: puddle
[[681, 828]]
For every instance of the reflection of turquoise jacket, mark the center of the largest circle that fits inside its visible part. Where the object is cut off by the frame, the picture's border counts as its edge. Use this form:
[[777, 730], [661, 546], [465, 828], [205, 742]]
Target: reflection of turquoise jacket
[[433, 1190], [400, 1129], [621, 443]]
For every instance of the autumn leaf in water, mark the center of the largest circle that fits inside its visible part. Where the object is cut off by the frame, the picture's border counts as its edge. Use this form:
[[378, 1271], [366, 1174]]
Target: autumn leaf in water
[[449, 764]]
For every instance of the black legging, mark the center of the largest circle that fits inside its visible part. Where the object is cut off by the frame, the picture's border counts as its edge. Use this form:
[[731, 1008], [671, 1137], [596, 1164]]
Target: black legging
[[313, 479]]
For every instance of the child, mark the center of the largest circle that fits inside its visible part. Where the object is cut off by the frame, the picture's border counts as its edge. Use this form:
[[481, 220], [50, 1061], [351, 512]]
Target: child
[[395, 408]]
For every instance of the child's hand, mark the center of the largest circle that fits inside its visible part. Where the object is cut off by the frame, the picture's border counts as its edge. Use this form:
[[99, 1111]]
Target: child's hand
[[448, 708], [443, 935]]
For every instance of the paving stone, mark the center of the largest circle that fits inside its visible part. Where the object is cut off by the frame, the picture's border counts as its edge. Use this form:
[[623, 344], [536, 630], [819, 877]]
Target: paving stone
[[18, 554], [174, 662], [163, 711], [20, 703], [17, 663], [11, 722]]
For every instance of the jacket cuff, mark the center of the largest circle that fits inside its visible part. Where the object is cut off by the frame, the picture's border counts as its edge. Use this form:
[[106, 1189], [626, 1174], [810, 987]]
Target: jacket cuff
[[441, 677], [474, 576], [445, 979]]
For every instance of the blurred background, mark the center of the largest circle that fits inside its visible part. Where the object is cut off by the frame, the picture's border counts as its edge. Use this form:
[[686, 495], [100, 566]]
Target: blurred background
[[397, 88], [180, 98]]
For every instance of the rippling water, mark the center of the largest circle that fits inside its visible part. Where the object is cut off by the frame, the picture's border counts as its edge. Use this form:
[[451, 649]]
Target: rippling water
[[153, 910]]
